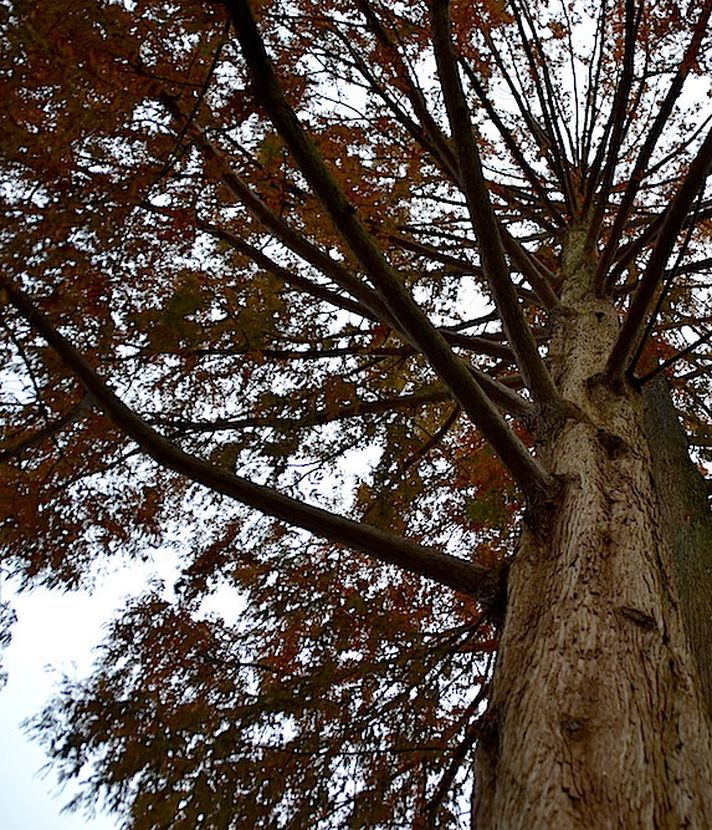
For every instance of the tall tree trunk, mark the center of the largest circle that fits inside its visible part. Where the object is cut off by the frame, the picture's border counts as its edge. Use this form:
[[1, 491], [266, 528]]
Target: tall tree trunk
[[598, 715]]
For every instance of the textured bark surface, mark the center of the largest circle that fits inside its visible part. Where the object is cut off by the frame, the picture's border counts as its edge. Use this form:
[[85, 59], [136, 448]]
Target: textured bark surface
[[597, 717], [687, 519]]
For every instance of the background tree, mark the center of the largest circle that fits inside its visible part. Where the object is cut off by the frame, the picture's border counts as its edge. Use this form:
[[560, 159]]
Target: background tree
[[406, 278]]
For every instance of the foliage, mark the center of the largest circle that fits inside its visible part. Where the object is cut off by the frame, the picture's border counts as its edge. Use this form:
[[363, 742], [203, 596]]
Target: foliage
[[198, 298]]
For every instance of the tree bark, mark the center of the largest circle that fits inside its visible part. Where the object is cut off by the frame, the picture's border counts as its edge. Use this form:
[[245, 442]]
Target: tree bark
[[598, 716], [687, 520]]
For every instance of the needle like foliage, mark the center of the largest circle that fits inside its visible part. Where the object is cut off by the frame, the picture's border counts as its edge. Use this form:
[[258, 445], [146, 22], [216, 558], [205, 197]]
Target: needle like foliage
[[279, 281]]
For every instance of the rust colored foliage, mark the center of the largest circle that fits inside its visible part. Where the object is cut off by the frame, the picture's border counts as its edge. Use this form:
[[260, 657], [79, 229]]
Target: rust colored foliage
[[254, 263]]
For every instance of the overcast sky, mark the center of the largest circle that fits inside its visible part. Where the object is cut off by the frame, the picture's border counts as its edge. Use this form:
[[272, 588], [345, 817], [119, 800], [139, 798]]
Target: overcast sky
[[58, 630]]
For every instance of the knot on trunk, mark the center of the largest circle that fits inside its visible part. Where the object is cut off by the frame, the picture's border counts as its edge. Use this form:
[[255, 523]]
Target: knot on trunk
[[613, 444]]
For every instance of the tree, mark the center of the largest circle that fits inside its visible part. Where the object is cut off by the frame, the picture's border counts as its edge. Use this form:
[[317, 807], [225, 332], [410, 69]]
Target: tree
[[424, 285]]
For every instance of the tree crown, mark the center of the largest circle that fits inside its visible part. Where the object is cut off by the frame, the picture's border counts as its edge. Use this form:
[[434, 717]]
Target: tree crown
[[308, 261]]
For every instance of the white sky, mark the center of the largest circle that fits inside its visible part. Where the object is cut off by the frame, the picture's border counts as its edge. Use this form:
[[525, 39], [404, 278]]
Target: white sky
[[53, 629], [55, 634]]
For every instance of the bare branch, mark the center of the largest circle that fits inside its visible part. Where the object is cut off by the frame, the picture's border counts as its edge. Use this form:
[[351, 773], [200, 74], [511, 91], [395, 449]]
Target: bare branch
[[359, 409], [675, 216], [651, 140], [666, 364], [547, 101], [529, 475], [455, 573], [603, 168], [535, 273], [511, 144], [287, 276], [427, 133]]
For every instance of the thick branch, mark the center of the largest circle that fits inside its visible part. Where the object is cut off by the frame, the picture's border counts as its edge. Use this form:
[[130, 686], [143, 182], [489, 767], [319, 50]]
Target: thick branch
[[675, 216], [494, 265], [447, 570], [533, 480]]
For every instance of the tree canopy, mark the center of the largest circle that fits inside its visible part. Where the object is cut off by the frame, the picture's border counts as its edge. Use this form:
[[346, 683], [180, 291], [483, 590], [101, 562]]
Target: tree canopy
[[281, 283]]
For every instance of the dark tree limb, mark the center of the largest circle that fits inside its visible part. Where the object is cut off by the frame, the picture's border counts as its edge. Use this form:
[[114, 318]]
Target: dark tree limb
[[640, 168], [288, 276], [594, 77], [511, 144], [666, 364], [529, 475], [282, 231], [547, 101], [518, 333], [674, 220], [427, 133], [534, 273], [603, 167], [447, 570], [41, 435], [662, 295], [358, 409]]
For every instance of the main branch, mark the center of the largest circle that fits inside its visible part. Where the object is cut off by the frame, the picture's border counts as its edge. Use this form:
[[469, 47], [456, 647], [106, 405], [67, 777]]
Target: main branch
[[528, 474], [675, 216], [463, 576], [531, 365]]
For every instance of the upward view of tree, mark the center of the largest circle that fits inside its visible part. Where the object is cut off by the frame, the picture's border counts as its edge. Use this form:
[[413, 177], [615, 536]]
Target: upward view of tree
[[392, 319]]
